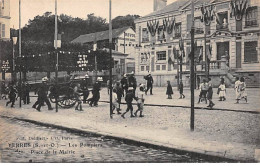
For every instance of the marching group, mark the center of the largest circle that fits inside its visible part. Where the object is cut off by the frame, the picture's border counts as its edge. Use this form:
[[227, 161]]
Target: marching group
[[127, 87]]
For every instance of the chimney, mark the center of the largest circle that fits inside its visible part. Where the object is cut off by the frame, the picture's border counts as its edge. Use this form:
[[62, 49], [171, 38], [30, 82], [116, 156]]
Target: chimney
[[159, 4]]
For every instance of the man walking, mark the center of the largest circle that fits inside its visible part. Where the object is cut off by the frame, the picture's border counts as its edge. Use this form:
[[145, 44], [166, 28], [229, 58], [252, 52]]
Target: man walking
[[124, 83]]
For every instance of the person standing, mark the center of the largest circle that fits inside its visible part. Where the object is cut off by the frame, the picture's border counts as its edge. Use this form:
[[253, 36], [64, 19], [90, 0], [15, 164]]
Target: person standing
[[84, 87], [237, 90], [26, 95], [169, 90], [203, 91], [115, 103], [181, 90], [210, 94], [140, 101], [77, 91], [242, 89], [119, 92], [132, 82], [96, 92], [124, 83], [222, 90], [129, 99], [149, 80], [12, 96]]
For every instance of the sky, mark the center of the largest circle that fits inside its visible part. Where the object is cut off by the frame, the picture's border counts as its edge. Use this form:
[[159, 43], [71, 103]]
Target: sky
[[78, 8]]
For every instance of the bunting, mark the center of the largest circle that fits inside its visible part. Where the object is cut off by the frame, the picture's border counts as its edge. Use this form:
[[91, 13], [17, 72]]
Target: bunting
[[153, 26], [207, 14], [238, 8]]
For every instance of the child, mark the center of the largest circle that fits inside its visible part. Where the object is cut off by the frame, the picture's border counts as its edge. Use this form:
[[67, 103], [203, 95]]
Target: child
[[119, 92], [222, 91], [242, 89], [77, 91], [12, 96], [115, 104], [181, 91], [140, 101], [203, 91], [237, 83], [129, 98], [210, 94], [169, 91]]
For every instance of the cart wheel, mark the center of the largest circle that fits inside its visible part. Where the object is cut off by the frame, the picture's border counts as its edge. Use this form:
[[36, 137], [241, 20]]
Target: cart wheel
[[66, 98]]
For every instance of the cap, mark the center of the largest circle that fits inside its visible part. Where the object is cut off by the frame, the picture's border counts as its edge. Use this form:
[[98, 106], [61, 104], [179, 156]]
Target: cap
[[130, 88], [86, 76]]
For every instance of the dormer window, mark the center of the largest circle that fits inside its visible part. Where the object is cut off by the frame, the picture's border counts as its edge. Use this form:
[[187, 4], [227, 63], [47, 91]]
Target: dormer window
[[222, 21]]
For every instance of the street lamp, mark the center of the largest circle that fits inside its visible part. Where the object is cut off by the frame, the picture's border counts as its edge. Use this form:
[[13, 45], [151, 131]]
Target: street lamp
[[14, 38]]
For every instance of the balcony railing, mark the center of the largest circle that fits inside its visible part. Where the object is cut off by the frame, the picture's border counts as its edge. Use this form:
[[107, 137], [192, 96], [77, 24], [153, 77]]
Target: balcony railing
[[199, 31], [222, 26], [251, 23], [214, 65]]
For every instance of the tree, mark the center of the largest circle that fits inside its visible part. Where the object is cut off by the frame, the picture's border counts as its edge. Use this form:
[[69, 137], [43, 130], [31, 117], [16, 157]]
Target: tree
[[123, 21]]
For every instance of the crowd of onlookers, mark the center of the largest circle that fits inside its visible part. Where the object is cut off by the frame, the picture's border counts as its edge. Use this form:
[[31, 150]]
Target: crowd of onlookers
[[126, 88]]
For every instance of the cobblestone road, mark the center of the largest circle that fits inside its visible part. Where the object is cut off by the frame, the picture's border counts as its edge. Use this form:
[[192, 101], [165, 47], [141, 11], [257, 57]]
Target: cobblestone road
[[26, 142]]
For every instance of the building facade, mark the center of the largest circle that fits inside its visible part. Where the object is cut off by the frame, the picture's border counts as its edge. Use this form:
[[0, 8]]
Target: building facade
[[5, 20], [229, 42], [123, 44]]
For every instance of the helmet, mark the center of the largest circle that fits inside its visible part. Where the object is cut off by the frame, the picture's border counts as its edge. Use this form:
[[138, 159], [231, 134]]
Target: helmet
[[133, 72], [44, 79], [124, 75], [86, 76]]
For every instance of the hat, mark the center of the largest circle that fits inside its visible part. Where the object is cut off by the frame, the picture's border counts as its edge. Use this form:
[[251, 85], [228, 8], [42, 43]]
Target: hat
[[132, 72], [86, 76], [99, 79], [130, 88], [142, 85], [44, 79], [124, 75]]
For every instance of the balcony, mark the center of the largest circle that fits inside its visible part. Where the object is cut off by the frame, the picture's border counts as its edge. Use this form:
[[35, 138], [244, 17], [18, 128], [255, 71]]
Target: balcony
[[222, 26], [199, 31], [251, 23], [215, 66]]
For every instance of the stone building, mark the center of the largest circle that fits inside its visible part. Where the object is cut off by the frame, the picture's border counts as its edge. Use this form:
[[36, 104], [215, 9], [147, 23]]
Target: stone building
[[5, 20], [232, 42]]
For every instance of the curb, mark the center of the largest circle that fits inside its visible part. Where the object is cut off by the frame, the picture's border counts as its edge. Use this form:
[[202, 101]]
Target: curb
[[200, 153], [202, 108]]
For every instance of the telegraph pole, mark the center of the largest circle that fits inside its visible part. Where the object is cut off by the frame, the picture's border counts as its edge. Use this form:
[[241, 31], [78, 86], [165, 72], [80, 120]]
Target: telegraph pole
[[110, 57], [20, 55], [57, 60], [192, 68]]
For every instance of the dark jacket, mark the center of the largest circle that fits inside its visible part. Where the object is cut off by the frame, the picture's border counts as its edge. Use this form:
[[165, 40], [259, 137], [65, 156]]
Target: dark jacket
[[132, 81], [12, 92], [149, 79], [169, 90], [124, 83], [129, 97]]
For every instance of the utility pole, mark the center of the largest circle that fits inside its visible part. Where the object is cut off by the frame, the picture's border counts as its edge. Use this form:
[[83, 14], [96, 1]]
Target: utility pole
[[110, 57], [20, 55], [205, 50], [57, 60], [192, 68]]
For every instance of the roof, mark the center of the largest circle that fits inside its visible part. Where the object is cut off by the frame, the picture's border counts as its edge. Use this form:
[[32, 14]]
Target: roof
[[115, 52], [179, 5], [98, 36]]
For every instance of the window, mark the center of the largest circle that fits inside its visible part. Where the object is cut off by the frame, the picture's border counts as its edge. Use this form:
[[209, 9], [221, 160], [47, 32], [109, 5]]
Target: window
[[177, 30], [251, 16], [163, 67], [3, 30], [250, 52], [3, 4], [147, 68], [158, 67], [145, 35], [161, 56], [198, 26], [222, 20], [161, 35], [142, 68]]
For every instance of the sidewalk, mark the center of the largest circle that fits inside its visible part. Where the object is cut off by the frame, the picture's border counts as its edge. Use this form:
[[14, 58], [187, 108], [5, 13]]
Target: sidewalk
[[233, 135]]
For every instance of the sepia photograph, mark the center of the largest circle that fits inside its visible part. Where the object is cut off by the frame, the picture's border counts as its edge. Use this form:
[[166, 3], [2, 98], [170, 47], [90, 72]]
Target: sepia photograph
[[130, 81]]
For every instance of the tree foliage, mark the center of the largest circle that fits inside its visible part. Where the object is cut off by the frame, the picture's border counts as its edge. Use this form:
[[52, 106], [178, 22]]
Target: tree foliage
[[123, 21]]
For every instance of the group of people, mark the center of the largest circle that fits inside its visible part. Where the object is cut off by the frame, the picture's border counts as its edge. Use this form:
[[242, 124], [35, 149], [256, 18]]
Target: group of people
[[13, 91]]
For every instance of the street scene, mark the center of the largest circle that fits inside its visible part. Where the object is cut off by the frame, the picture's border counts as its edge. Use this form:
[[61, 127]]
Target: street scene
[[178, 83]]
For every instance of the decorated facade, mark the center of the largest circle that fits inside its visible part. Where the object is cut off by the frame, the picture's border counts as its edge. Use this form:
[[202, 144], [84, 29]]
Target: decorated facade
[[226, 41]]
